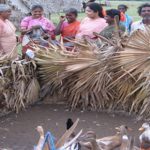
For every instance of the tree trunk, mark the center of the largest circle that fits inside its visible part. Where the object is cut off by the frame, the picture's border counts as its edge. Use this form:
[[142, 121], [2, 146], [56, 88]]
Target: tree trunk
[[2, 1]]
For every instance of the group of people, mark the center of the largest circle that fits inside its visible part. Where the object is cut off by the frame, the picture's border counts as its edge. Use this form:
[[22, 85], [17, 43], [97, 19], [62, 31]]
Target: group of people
[[38, 29]]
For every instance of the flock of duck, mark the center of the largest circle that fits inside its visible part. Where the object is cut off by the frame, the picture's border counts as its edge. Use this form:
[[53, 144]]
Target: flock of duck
[[122, 140]]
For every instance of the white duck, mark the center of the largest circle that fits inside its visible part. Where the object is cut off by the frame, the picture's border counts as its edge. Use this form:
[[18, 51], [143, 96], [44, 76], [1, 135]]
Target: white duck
[[128, 143], [145, 136], [41, 140]]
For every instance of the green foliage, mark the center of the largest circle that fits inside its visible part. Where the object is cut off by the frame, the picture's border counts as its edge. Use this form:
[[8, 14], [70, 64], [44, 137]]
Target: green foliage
[[132, 11]]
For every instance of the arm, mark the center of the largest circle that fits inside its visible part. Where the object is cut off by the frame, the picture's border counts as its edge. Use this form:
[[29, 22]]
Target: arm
[[24, 31], [1, 48], [132, 28], [59, 26], [24, 25]]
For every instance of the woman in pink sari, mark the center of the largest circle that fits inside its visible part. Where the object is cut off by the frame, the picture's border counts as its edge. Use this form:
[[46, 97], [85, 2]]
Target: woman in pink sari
[[36, 27], [94, 22], [7, 32]]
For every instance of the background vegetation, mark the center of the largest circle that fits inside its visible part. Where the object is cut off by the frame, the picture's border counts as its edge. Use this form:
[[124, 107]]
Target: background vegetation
[[132, 11]]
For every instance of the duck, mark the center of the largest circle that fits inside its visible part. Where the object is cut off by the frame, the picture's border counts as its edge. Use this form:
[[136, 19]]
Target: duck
[[128, 143], [69, 140], [113, 142], [88, 141], [69, 124], [145, 136], [75, 145], [106, 143], [39, 146], [125, 145]]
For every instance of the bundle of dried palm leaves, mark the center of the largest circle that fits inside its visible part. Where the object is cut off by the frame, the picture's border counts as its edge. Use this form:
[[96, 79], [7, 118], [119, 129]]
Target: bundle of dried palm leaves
[[81, 76], [99, 75], [19, 86], [132, 74]]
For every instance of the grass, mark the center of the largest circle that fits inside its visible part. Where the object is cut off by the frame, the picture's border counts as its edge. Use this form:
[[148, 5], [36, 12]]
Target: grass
[[132, 11]]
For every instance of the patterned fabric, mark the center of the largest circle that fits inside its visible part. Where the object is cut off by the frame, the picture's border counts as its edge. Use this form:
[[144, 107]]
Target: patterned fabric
[[88, 26], [29, 22]]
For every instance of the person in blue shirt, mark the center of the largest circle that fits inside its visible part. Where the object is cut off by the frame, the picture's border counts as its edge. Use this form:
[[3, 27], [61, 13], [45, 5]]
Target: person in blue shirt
[[127, 20]]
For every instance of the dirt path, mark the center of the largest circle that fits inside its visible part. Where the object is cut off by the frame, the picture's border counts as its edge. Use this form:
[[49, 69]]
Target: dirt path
[[17, 132]]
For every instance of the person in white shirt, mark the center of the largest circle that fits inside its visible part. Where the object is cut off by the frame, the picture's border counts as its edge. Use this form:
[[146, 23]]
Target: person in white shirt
[[144, 12]]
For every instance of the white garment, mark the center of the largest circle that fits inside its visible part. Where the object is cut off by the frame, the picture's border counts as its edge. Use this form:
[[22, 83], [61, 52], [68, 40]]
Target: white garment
[[138, 25]]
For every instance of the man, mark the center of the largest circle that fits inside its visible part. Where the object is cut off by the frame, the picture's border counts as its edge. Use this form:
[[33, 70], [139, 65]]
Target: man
[[144, 12]]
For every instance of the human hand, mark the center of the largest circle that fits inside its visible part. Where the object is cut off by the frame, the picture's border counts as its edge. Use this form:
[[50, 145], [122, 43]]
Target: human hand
[[46, 36], [62, 18]]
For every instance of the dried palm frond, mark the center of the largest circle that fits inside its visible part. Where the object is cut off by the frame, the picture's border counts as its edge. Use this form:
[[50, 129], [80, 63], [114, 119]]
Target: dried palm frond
[[82, 78], [101, 74], [17, 81], [132, 74], [32, 91]]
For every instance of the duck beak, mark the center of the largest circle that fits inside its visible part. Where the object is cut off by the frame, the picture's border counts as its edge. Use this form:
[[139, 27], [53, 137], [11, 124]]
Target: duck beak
[[117, 128], [141, 129]]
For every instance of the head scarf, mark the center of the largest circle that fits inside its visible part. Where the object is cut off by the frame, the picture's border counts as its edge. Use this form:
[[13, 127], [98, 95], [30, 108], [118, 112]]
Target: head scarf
[[4, 7]]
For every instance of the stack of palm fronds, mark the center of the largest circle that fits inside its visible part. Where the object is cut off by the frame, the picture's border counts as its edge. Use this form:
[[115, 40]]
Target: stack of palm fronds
[[18, 84], [81, 75], [100, 75], [132, 74]]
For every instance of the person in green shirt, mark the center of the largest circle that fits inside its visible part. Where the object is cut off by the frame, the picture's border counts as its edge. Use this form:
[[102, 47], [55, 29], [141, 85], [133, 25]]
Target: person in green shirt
[[110, 30]]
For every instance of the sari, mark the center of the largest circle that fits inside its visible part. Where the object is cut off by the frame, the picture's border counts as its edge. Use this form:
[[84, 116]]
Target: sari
[[36, 35], [7, 37], [47, 25], [88, 26], [69, 29]]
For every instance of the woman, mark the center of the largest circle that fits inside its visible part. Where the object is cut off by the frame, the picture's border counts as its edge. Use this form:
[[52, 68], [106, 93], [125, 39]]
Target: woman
[[109, 31], [126, 20], [7, 32], [94, 22], [37, 27], [69, 28]]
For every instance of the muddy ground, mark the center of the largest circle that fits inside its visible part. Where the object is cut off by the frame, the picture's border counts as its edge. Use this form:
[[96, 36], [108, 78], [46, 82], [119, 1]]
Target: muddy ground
[[17, 131]]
